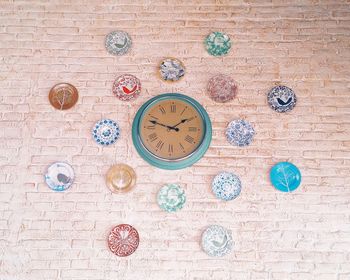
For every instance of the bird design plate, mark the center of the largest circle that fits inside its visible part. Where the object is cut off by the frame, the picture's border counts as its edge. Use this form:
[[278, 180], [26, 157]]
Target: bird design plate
[[171, 198], [171, 69], [281, 99], [106, 132], [226, 186], [127, 87], [240, 133], [118, 42], [120, 178], [222, 88], [217, 241], [123, 240], [59, 176], [63, 96], [285, 176], [217, 43]]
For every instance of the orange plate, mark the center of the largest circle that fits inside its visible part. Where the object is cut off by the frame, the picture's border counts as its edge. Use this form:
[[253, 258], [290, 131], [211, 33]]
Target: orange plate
[[63, 96]]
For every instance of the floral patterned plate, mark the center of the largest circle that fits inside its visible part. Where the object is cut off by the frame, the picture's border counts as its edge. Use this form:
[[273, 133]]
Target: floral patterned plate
[[123, 240], [171, 198], [59, 176], [217, 43], [217, 241], [281, 99], [226, 186], [222, 88], [240, 133], [118, 42], [285, 176], [171, 69], [127, 87], [120, 178], [106, 132]]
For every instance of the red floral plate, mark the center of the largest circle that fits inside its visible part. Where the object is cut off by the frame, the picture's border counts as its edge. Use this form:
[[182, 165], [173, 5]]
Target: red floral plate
[[123, 240], [127, 87]]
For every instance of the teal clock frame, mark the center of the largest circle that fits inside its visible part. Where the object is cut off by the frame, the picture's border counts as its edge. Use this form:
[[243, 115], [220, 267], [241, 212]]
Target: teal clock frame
[[172, 164]]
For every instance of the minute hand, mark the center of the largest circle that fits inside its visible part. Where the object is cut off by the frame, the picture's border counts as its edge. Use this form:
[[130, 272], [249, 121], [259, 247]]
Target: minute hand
[[167, 126], [182, 121]]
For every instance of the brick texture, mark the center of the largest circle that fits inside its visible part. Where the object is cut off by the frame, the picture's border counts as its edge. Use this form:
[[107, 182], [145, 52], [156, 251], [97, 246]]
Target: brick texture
[[302, 44]]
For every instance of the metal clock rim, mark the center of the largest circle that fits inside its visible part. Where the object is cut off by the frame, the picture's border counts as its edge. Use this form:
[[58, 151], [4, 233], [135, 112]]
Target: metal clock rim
[[172, 164]]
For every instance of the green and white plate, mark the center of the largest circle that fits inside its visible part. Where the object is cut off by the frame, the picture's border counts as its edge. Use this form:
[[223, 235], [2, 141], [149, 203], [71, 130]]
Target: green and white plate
[[217, 43], [171, 198]]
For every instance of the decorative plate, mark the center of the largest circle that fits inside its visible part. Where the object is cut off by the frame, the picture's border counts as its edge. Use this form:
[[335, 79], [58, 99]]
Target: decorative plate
[[59, 176], [171, 198], [217, 241], [281, 99], [127, 87], [106, 132], [222, 88], [63, 96], [217, 43], [226, 186], [285, 176], [123, 240], [118, 42], [240, 133], [171, 69], [120, 178]]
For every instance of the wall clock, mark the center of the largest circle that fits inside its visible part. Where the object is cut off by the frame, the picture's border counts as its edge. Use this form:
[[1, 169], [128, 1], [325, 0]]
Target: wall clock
[[171, 131]]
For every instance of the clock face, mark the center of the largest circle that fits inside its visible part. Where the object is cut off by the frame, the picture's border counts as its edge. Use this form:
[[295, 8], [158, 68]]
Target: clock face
[[171, 129]]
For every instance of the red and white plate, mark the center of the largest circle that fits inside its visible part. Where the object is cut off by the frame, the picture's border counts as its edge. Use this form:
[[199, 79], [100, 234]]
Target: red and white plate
[[123, 240], [126, 87], [222, 88]]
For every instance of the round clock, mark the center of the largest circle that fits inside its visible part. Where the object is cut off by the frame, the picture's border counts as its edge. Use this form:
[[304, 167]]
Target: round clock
[[171, 131]]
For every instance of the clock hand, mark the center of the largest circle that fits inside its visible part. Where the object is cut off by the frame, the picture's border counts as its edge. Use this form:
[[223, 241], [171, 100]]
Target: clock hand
[[182, 121], [167, 126]]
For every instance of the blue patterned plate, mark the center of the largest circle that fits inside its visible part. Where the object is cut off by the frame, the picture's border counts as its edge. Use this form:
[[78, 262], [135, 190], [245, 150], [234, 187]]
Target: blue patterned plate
[[118, 42], [226, 186], [171, 69], [59, 176], [285, 176], [217, 241], [281, 99], [106, 132], [171, 198], [240, 133]]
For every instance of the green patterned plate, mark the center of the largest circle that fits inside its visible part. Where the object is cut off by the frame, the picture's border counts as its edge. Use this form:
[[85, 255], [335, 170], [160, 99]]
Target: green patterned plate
[[171, 198], [217, 43]]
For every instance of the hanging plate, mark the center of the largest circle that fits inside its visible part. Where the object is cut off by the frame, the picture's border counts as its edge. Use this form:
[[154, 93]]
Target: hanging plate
[[240, 133], [221, 88], [171, 69], [217, 241], [171, 198], [127, 87], [106, 132], [59, 176], [217, 43], [281, 99], [123, 240], [118, 42], [285, 176], [226, 186], [120, 178], [63, 96]]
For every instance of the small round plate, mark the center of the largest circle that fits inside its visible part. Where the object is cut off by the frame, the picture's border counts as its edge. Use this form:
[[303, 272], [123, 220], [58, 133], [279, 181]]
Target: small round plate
[[285, 176], [281, 99], [221, 88], [59, 176], [217, 241], [106, 132], [63, 96], [226, 186], [171, 69], [126, 87], [217, 43], [240, 133], [123, 240], [120, 178], [171, 198], [118, 42]]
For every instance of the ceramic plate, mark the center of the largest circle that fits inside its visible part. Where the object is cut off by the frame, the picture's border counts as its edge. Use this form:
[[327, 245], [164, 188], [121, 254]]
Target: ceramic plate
[[171, 198], [63, 96], [120, 178], [59, 176], [217, 241], [217, 43], [171, 69], [226, 186], [123, 240], [127, 87], [281, 99], [118, 42], [222, 88], [240, 133], [285, 176], [106, 132]]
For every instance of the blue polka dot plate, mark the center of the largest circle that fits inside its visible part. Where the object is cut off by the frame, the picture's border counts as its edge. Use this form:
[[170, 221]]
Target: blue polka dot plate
[[59, 176], [106, 132], [240, 133], [171, 198], [281, 99], [285, 176], [226, 186], [217, 241]]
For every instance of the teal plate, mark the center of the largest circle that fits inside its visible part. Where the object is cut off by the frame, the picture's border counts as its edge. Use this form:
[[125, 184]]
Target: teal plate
[[285, 176], [171, 198]]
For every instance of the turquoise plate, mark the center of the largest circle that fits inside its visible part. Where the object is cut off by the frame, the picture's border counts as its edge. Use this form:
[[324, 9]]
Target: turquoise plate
[[285, 176]]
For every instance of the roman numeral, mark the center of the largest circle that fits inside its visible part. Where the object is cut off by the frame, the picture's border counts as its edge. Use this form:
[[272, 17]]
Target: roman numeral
[[150, 127], [153, 136], [153, 117], [160, 144], [173, 108], [162, 110], [192, 129], [182, 147], [170, 148], [189, 139]]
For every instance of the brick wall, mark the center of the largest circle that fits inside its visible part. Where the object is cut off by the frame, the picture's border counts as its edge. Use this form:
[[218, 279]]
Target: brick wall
[[302, 44]]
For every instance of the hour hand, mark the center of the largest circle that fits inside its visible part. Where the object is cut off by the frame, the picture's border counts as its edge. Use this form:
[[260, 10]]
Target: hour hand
[[167, 126], [182, 121]]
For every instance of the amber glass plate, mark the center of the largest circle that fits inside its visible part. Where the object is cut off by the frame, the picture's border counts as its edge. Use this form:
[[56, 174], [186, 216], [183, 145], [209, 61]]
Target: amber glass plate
[[63, 96]]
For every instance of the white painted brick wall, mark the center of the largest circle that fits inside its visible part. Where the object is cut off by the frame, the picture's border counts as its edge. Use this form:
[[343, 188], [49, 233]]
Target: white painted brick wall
[[302, 44]]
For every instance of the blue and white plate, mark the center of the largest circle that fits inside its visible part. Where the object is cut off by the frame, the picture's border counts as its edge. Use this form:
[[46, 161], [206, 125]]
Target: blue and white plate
[[171, 69], [118, 42], [217, 241], [106, 132], [59, 176], [285, 176], [171, 198], [226, 186], [281, 99], [240, 133]]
